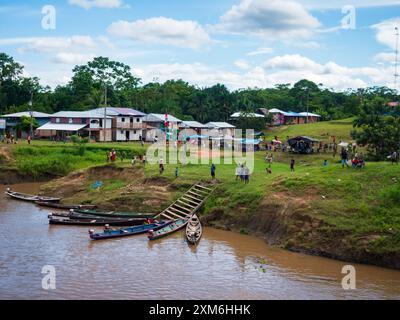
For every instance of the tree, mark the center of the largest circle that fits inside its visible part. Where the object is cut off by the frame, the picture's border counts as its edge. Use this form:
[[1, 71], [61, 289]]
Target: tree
[[25, 124], [247, 121], [379, 132]]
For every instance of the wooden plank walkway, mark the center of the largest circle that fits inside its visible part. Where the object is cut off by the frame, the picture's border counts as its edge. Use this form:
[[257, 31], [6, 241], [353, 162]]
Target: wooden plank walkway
[[188, 204]]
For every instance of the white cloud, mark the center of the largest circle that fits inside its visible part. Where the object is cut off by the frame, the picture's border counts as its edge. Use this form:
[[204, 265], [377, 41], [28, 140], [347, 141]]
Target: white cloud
[[185, 33], [88, 4], [385, 57], [242, 64], [73, 58], [385, 32], [260, 51], [49, 44], [269, 19], [278, 70]]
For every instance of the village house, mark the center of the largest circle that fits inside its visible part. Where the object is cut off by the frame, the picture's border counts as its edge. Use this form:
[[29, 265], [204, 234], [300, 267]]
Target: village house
[[221, 129], [12, 122], [287, 118], [191, 129], [85, 123], [158, 126], [127, 124]]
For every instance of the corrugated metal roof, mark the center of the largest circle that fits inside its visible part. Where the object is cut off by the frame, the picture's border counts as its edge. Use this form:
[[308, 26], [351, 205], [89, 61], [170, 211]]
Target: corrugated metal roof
[[35, 114], [250, 115], [121, 112], [156, 117], [80, 114], [62, 127], [220, 125], [193, 124]]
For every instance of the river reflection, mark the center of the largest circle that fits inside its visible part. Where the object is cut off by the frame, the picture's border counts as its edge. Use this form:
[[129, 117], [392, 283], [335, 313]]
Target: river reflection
[[224, 265]]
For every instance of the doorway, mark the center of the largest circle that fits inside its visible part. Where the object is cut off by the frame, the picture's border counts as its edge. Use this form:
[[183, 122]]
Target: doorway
[[128, 135]]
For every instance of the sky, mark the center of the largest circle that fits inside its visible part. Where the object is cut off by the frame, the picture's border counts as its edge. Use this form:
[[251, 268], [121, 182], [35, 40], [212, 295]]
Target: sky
[[340, 44]]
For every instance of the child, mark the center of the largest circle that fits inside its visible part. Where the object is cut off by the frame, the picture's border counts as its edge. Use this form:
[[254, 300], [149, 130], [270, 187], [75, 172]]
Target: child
[[292, 162], [269, 170], [176, 172], [325, 163]]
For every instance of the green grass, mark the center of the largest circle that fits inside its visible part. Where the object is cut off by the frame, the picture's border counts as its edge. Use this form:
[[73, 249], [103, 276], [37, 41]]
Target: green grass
[[320, 130]]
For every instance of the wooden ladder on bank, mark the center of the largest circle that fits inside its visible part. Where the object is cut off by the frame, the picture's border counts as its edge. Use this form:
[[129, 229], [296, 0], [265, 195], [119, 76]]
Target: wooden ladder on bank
[[187, 205]]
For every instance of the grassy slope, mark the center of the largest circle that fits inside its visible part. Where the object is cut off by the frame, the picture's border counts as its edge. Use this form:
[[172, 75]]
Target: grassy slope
[[344, 213], [321, 130]]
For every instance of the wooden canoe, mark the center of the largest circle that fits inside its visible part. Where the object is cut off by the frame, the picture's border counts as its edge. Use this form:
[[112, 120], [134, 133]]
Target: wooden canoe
[[77, 216], [29, 197], [115, 214], [112, 234], [64, 206], [194, 230], [95, 222], [169, 229]]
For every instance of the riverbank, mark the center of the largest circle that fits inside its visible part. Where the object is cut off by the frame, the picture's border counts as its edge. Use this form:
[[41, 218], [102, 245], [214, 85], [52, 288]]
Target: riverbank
[[346, 214]]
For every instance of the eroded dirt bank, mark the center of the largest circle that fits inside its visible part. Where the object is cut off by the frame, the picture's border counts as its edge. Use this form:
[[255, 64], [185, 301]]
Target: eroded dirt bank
[[283, 219]]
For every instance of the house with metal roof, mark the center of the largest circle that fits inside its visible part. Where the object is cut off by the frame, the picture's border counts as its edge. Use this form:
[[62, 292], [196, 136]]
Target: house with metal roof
[[289, 117], [221, 129], [11, 122], [158, 126], [127, 123], [90, 123]]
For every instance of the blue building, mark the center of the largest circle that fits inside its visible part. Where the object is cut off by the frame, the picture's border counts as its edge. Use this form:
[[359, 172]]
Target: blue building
[[14, 119]]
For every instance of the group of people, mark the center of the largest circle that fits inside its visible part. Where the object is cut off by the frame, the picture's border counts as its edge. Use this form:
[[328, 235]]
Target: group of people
[[357, 161], [8, 138], [112, 156], [243, 173], [138, 159]]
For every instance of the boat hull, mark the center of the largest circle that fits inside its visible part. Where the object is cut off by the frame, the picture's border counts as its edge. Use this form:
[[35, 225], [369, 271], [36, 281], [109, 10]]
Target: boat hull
[[30, 198], [128, 231], [56, 205], [95, 222], [194, 230], [114, 214], [166, 231]]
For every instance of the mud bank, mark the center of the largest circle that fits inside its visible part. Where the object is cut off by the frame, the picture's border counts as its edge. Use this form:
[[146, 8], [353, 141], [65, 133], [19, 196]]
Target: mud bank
[[289, 222], [282, 219]]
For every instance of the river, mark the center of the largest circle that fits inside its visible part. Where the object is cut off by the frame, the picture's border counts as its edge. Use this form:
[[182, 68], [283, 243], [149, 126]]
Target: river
[[224, 265]]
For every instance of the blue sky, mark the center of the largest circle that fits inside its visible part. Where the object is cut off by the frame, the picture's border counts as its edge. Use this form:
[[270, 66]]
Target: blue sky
[[241, 43]]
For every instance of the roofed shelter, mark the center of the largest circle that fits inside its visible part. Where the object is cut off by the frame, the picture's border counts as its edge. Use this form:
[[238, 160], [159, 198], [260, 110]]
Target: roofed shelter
[[302, 144]]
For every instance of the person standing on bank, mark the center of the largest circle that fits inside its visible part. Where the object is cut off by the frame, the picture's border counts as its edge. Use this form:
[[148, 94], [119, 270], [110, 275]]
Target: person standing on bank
[[213, 168]]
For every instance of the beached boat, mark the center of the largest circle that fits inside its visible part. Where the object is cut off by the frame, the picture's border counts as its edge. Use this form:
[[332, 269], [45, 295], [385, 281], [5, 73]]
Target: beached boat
[[95, 222], [77, 216], [194, 230], [55, 205], [126, 232], [115, 214], [167, 230], [29, 197]]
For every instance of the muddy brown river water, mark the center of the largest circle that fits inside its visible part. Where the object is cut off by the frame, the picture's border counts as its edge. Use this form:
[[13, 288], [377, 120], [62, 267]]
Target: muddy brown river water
[[224, 265]]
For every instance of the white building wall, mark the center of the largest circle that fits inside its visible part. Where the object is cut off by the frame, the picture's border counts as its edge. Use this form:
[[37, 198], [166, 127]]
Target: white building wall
[[134, 135]]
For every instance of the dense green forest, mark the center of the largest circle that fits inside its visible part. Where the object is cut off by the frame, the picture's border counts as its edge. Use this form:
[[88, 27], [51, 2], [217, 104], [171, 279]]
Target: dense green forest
[[87, 87]]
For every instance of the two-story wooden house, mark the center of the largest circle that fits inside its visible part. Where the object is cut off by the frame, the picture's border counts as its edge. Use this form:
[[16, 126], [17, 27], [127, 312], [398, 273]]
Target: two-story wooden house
[[91, 124], [127, 124]]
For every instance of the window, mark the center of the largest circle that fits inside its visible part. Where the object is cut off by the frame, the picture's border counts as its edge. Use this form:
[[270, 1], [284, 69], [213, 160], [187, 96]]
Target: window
[[131, 120], [122, 131], [137, 120], [58, 120], [134, 132], [122, 119]]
